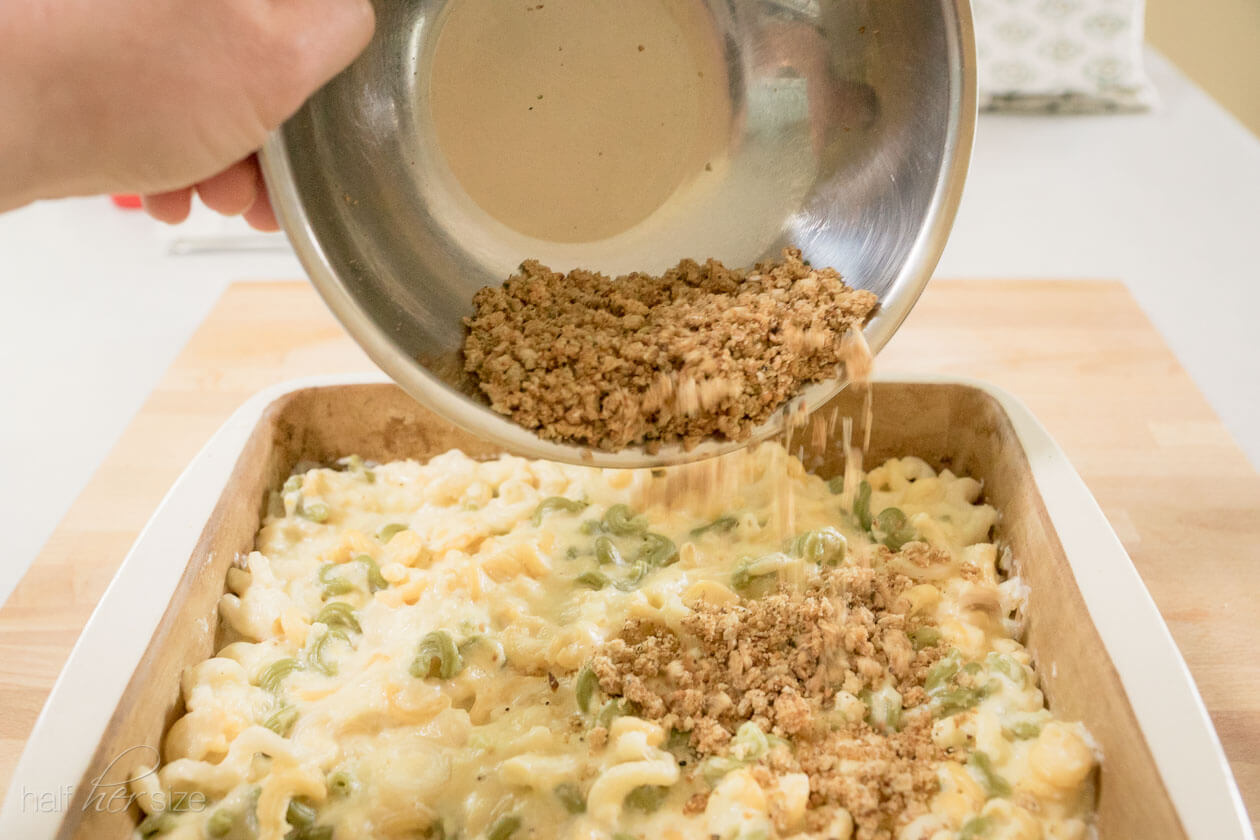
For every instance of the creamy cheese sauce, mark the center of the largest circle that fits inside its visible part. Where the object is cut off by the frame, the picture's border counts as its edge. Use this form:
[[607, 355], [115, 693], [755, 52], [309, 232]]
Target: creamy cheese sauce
[[409, 642]]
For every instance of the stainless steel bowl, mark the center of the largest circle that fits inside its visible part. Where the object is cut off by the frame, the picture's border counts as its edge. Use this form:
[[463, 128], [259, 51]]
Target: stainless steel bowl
[[854, 149]]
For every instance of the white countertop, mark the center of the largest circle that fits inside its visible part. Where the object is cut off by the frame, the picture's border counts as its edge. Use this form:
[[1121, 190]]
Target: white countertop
[[95, 305]]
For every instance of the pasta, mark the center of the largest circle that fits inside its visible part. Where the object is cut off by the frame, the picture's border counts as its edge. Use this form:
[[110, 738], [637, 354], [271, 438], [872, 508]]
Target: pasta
[[514, 649]]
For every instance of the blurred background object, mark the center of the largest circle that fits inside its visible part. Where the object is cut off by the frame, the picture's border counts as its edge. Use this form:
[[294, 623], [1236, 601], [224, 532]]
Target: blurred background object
[[1217, 44], [1061, 56], [1086, 56]]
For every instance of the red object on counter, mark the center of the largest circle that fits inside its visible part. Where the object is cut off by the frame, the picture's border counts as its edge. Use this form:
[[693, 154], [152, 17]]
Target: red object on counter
[[126, 202]]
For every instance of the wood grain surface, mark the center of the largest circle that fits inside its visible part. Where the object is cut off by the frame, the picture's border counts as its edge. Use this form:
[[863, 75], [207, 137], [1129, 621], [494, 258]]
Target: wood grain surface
[[1176, 488]]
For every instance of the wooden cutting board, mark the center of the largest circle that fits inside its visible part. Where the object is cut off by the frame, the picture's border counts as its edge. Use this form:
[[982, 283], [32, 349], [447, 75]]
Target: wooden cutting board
[[1175, 486]]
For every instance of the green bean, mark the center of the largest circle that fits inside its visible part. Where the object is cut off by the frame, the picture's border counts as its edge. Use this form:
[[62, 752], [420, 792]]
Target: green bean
[[387, 532], [836, 484], [591, 526], [975, 828], [678, 740], [883, 708], [584, 688], [824, 547], [554, 504], [942, 672], [342, 783], [314, 511], [438, 656], [951, 701], [1023, 730], [646, 798], [744, 575], [593, 580], [337, 587], [638, 571], [994, 784], [924, 637], [749, 743], [570, 797], [892, 528], [300, 813], [862, 505], [311, 832], [333, 586], [156, 823], [621, 835], [504, 827], [613, 709], [715, 767], [356, 464], [374, 578], [721, 525], [623, 522], [274, 674], [220, 823], [606, 552], [292, 484], [657, 550], [238, 821], [338, 614], [1008, 667], [281, 722], [316, 657]]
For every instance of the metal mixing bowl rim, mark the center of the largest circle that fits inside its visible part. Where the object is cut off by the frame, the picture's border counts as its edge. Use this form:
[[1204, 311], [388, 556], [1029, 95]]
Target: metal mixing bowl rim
[[483, 422]]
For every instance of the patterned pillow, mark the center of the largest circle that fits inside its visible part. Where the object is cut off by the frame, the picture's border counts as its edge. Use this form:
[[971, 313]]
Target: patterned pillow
[[1078, 56]]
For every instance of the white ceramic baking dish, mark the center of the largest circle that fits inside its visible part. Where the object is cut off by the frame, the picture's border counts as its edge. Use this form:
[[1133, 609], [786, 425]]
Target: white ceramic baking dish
[[1104, 654]]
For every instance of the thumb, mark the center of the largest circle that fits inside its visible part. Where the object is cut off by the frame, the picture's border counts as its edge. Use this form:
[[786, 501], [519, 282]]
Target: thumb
[[324, 36]]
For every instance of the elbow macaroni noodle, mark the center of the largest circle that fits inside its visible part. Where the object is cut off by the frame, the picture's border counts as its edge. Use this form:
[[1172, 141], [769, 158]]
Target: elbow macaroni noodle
[[406, 645]]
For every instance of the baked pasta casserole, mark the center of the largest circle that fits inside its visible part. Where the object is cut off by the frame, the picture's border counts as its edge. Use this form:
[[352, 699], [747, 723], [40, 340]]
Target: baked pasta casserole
[[522, 649]]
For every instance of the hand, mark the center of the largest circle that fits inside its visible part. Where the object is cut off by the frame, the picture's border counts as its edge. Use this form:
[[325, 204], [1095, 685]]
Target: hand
[[236, 191], [160, 97]]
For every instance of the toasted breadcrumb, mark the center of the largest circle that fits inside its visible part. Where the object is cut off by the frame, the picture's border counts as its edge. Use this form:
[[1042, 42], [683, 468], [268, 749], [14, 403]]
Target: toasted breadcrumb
[[700, 351]]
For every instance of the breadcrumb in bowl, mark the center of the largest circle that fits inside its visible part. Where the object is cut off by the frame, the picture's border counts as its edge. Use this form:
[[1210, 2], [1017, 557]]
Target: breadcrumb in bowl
[[702, 351]]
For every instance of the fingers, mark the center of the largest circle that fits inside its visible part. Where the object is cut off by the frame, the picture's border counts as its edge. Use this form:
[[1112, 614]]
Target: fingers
[[171, 207], [238, 190], [261, 215], [234, 190]]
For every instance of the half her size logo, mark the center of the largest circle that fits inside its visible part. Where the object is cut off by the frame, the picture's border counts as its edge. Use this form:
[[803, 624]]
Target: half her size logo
[[125, 780]]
